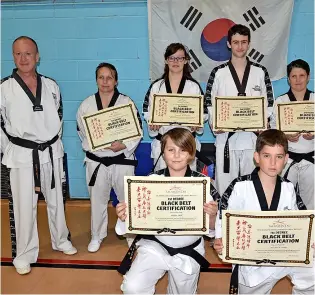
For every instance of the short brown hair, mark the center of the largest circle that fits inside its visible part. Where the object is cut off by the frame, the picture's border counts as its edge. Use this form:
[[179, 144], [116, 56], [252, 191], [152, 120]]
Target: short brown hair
[[183, 139], [271, 137]]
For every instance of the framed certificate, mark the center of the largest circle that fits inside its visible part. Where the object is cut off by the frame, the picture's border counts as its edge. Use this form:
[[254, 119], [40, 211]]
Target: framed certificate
[[239, 113], [176, 109], [167, 205], [282, 238], [297, 116], [112, 124]]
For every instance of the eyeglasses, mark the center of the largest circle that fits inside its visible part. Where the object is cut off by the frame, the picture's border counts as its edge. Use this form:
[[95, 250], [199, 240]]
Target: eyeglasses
[[173, 58]]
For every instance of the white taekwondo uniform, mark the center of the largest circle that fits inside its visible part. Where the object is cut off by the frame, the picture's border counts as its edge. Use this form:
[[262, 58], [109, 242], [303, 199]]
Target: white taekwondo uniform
[[32, 128], [300, 167], [246, 194], [153, 260], [161, 86], [234, 151], [105, 169]]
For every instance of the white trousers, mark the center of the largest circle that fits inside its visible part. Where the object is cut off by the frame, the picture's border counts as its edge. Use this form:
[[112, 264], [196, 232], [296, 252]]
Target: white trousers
[[25, 211], [302, 279], [303, 174], [148, 268], [107, 178], [241, 163]]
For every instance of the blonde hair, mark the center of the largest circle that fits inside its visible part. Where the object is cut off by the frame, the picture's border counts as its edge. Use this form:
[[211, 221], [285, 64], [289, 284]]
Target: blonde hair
[[183, 139]]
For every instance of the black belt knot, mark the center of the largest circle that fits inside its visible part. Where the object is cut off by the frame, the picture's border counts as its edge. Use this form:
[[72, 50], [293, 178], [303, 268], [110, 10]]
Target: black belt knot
[[266, 261], [108, 161], [35, 147], [188, 250], [166, 230]]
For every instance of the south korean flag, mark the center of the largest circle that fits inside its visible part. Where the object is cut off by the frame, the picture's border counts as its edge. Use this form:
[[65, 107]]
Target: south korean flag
[[202, 27]]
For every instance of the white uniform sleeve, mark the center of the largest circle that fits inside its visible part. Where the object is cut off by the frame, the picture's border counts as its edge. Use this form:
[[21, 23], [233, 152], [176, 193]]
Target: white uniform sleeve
[[146, 110], [267, 91], [273, 117], [199, 91], [120, 227], [4, 134], [211, 92], [235, 202], [132, 145], [80, 127], [59, 107]]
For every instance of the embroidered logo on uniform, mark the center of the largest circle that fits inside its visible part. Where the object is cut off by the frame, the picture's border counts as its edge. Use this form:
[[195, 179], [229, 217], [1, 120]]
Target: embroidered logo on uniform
[[257, 88], [54, 96]]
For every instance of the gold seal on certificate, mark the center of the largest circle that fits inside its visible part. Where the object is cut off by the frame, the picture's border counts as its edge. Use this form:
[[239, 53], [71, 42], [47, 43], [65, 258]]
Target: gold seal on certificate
[[297, 116], [239, 113], [167, 205], [112, 124], [179, 109], [279, 238]]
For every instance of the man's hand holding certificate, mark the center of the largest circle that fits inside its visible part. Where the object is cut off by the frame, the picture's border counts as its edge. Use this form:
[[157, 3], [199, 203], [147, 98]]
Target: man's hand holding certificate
[[167, 206], [114, 124], [239, 113]]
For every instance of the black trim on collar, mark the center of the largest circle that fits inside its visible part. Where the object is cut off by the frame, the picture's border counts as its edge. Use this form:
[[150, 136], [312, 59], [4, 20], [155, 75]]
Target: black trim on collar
[[293, 98], [180, 87], [187, 173], [114, 98], [98, 101], [241, 87], [261, 194], [35, 100], [111, 103]]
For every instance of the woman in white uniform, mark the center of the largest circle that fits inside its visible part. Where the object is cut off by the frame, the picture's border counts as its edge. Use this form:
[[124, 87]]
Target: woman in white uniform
[[105, 168], [176, 79]]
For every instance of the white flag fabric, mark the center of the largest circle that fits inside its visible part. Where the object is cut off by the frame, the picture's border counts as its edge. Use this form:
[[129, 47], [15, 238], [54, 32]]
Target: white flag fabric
[[202, 26]]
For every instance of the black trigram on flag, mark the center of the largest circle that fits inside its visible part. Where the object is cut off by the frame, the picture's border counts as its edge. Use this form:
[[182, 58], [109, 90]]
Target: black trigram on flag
[[191, 17], [256, 55], [194, 61], [253, 18]]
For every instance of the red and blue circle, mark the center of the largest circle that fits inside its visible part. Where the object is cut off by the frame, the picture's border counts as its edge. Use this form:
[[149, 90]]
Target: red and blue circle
[[214, 37]]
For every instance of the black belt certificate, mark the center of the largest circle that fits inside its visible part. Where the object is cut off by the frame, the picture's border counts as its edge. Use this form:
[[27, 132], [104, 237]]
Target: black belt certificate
[[118, 123], [297, 116], [176, 109], [272, 238], [239, 113], [167, 205]]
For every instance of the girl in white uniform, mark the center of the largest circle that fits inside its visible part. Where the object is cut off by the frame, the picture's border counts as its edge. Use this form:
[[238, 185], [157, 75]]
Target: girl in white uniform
[[105, 168], [300, 167], [176, 79], [264, 190], [153, 259]]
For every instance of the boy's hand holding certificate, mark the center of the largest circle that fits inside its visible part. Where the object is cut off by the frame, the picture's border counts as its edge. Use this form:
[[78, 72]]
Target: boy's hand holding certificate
[[279, 238], [167, 205]]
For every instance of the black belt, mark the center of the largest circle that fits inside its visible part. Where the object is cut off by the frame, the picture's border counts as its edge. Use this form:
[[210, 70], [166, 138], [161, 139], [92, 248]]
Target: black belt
[[226, 163], [188, 250], [107, 161], [36, 164], [199, 155], [297, 158]]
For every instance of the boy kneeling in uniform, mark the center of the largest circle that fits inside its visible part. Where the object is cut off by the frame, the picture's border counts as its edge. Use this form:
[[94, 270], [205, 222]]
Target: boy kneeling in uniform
[[155, 254], [264, 190]]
